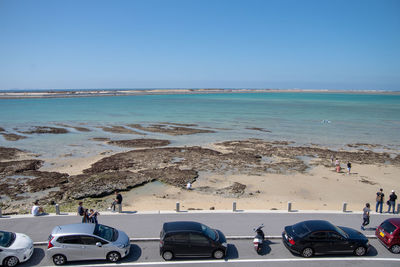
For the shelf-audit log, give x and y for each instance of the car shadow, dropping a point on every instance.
(266, 247)
(231, 252)
(134, 254)
(37, 257)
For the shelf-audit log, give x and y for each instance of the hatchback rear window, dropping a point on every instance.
(388, 227)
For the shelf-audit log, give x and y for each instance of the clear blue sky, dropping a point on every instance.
(350, 44)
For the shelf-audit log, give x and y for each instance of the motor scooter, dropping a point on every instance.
(259, 238)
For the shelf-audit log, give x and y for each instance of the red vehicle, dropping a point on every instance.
(389, 234)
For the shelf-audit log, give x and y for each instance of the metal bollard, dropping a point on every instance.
(1, 213)
(344, 209)
(120, 208)
(398, 209)
(177, 208)
(234, 206)
(289, 206)
(57, 209)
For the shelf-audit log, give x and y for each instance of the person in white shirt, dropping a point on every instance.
(189, 186)
(36, 209)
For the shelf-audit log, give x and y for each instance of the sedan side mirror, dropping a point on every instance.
(99, 244)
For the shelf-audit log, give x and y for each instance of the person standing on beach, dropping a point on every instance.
(117, 200)
(392, 201)
(337, 164)
(380, 196)
(366, 211)
(348, 167)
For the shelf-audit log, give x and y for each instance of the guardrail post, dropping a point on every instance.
(398, 209)
(120, 208)
(177, 208)
(57, 209)
(344, 209)
(1, 214)
(234, 206)
(289, 206)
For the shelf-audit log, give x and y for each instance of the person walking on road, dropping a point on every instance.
(392, 201)
(366, 211)
(82, 211)
(380, 197)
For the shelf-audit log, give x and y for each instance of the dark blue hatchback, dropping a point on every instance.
(191, 239)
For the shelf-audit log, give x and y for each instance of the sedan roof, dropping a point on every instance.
(182, 226)
(319, 225)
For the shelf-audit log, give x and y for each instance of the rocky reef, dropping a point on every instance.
(172, 165)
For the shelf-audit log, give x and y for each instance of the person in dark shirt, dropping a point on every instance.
(348, 167)
(392, 201)
(117, 200)
(380, 196)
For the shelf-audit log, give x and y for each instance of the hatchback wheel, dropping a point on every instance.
(307, 252)
(113, 256)
(360, 251)
(59, 259)
(218, 254)
(10, 261)
(395, 249)
(167, 255)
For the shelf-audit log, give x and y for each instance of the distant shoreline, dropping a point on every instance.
(16, 94)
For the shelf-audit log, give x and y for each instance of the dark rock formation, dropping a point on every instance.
(45, 130)
(12, 137)
(7, 153)
(13, 167)
(140, 143)
(168, 129)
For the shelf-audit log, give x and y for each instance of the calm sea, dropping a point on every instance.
(329, 119)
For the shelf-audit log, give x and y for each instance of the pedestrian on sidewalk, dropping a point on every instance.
(82, 212)
(380, 197)
(366, 211)
(392, 201)
(117, 201)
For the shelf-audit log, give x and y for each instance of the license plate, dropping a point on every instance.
(382, 234)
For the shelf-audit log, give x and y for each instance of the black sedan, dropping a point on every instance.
(321, 237)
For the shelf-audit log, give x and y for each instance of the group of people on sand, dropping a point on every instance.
(88, 215)
(338, 168)
(380, 198)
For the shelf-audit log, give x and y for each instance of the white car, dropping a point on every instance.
(14, 248)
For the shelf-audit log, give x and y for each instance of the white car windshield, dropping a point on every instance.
(105, 232)
(6, 238)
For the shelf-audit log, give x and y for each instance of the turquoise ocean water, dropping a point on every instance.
(329, 119)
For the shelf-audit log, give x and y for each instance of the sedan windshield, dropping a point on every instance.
(105, 232)
(209, 232)
(6, 238)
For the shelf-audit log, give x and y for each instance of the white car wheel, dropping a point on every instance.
(11, 261)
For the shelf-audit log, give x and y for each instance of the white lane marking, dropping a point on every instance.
(237, 261)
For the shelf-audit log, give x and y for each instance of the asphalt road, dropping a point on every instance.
(149, 225)
(240, 253)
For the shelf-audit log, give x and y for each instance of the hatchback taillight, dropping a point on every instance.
(161, 243)
(50, 245)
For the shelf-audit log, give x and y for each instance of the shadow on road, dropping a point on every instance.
(232, 252)
(134, 254)
(37, 257)
(266, 247)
